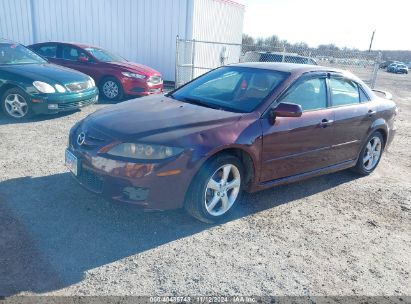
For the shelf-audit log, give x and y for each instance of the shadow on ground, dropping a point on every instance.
(5, 120)
(52, 231)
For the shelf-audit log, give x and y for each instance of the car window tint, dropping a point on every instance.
(343, 92)
(269, 57)
(72, 53)
(225, 83)
(239, 89)
(47, 51)
(310, 94)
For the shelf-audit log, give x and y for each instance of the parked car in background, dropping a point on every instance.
(114, 75)
(247, 126)
(391, 67)
(385, 64)
(253, 56)
(31, 85)
(399, 68)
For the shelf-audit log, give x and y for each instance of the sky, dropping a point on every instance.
(347, 23)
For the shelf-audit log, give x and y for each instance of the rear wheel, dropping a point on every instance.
(216, 189)
(16, 104)
(370, 154)
(111, 89)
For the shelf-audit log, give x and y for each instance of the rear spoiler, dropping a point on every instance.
(386, 94)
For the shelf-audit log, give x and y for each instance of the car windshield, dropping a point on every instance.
(103, 55)
(11, 54)
(236, 89)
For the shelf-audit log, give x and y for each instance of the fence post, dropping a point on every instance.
(177, 63)
(376, 68)
(193, 59)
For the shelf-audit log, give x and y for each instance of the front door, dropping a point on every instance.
(75, 58)
(294, 145)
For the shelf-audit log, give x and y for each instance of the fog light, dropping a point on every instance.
(53, 106)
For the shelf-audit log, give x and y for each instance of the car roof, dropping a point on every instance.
(78, 44)
(290, 67)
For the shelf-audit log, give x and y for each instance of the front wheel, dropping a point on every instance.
(16, 104)
(111, 89)
(370, 154)
(216, 189)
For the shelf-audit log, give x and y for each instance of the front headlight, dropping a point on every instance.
(91, 83)
(144, 151)
(43, 87)
(60, 88)
(133, 75)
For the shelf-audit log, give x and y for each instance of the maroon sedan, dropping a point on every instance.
(114, 75)
(246, 126)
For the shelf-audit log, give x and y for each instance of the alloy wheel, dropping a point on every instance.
(110, 89)
(372, 153)
(222, 190)
(16, 106)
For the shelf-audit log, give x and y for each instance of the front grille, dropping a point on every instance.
(91, 180)
(76, 104)
(78, 86)
(155, 80)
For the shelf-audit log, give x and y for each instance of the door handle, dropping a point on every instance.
(371, 112)
(326, 122)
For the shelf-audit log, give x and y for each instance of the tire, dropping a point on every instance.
(111, 89)
(16, 104)
(366, 166)
(201, 194)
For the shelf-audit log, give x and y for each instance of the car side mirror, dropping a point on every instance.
(285, 109)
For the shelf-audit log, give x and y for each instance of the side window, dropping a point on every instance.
(363, 96)
(49, 50)
(310, 94)
(72, 53)
(344, 92)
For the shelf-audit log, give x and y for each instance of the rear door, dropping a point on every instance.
(294, 145)
(354, 114)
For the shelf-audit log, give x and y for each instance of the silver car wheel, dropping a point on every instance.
(110, 89)
(222, 190)
(372, 153)
(16, 106)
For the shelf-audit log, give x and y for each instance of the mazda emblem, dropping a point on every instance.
(81, 138)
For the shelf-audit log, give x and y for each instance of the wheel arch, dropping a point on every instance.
(7, 86)
(247, 160)
(380, 125)
(104, 77)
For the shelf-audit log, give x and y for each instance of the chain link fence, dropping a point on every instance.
(194, 57)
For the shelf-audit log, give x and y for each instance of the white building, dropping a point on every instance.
(139, 30)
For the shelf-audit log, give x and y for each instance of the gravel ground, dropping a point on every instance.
(333, 235)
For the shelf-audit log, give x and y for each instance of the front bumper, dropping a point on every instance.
(137, 87)
(146, 185)
(54, 103)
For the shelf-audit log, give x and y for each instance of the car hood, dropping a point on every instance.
(152, 116)
(135, 67)
(47, 72)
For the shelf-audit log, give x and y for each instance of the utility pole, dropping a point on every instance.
(372, 38)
